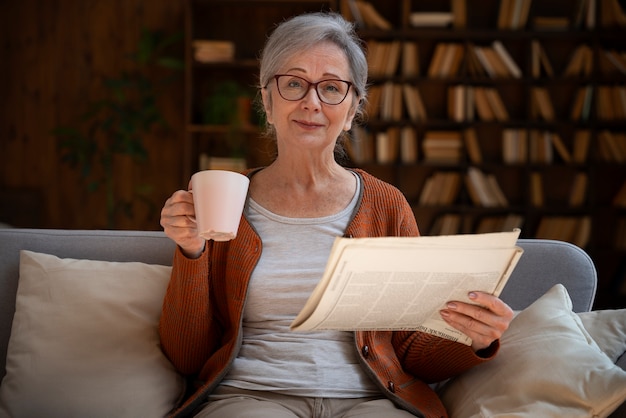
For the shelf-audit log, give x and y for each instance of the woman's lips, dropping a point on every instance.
(307, 124)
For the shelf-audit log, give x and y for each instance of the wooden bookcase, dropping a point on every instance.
(403, 146)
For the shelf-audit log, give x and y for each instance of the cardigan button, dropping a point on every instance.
(391, 386)
(365, 351)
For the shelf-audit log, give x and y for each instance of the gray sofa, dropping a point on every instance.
(543, 264)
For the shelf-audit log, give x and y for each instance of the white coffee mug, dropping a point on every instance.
(218, 197)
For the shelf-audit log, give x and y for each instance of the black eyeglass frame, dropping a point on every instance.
(314, 85)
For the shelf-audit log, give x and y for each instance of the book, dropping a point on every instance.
(484, 189)
(551, 23)
(483, 106)
(369, 16)
(578, 190)
(391, 101)
(514, 146)
(512, 67)
(582, 140)
(446, 60)
(513, 14)
(497, 104)
(540, 60)
(612, 15)
(360, 146)
(410, 59)
(540, 149)
(472, 146)
(207, 162)
(581, 106)
(414, 103)
(456, 102)
(443, 146)
(440, 188)
(459, 13)
(207, 50)
(401, 283)
(408, 145)
(580, 63)
(536, 189)
(387, 145)
(430, 19)
(542, 104)
(560, 147)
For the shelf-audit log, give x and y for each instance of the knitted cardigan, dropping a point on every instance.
(201, 321)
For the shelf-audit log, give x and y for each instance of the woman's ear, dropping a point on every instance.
(267, 105)
(351, 114)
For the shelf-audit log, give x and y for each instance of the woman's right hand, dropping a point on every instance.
(176, 220)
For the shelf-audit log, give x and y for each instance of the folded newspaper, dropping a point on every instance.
(401, 283)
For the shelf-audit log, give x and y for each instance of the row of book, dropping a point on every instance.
(454, 223)
(493, 60)
(512, 15)
(442, 188)
(612, 146)
(573, 229)
(577, 193)
(385, 147)
(466, 103)
(610, 103)
(519, 146)
(391, 101)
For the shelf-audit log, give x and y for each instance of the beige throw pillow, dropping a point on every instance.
(84, 341)
(608, 330)
(548, 366)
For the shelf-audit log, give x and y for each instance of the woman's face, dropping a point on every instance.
(309, 122)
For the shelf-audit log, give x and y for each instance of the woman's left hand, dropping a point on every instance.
(483, 322)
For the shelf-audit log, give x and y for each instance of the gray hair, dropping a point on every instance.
(304, 31)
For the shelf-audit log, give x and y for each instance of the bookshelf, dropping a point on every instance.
(517, 97)
(517, 110)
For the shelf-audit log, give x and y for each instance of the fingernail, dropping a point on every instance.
(445, 314)
(451, 305)
(472, 295)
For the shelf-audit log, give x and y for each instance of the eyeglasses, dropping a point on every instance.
(293, 88)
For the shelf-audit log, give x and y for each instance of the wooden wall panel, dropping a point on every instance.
(54, 55)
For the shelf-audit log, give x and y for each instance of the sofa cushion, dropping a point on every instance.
(84, 341)
(548, 366)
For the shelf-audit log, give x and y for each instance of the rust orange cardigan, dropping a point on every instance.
(200, 326)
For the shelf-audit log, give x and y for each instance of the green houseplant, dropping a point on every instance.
(116, 124)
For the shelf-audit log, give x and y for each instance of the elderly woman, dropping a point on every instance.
(228, 307)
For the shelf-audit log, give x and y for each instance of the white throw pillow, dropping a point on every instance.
(548, 366)
(84, 341)
(608, 330)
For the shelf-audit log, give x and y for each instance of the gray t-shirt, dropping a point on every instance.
(273, 358)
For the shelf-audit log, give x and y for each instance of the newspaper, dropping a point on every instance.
(401, 283)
